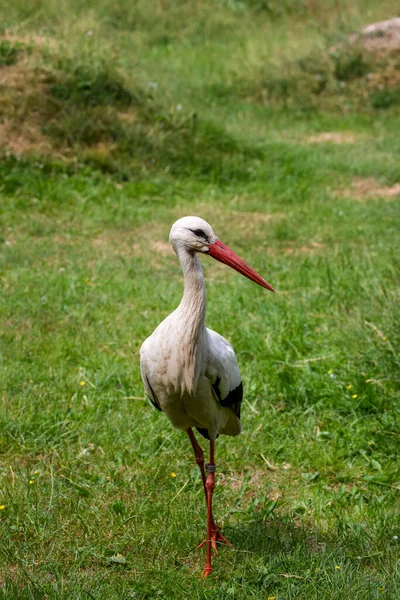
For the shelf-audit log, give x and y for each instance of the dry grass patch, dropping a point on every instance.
(148, 241)
(162, 248)
(24, 139)
(305, 250)
(293, 249)
(224, 221)
(281, 482)
(116, 243)
(333, 137)
(29, 39)
(366, 188)
(22, 96)
(11, 573)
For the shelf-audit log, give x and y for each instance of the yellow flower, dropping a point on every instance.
(271, 598)
(348, 387)
(354, 395)
(31, 381)
(384, 338)
(36, 472)
(330, 371)
(173, 474)
(370, 443)
(2, 506)
(31, 482)
(337, 567)
(82, 383)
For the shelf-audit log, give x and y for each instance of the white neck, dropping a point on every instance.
(191, 312)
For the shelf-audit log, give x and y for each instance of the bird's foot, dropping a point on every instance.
(206, 571)
(216, 538)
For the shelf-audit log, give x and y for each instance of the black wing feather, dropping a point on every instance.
(204, 432)
(153, 400)
(233, 401)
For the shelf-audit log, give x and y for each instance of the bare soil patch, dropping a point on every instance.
(333, 137)
(383, 35)
(20, 96)
(366, 188)
(36, 40)
(27, 138)
(306, 249)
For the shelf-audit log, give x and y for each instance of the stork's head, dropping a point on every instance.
(193, 233)
(196, 235)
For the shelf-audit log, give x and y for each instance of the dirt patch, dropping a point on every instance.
(18, 132)
(14, 76)
(129, 116)
(305, 249)
(117, 243)
(368, 188)
(100, 150)
(332, 137)
(163, 248)
(27, 138)
(150, 241)
(9, 573)
(281, 478)
(29, 39)
(380, 36)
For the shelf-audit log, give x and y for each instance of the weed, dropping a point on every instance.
(385, 98)
(11, 52)
(84, 86)
(350, 65)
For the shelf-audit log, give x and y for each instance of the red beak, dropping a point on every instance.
(225, 255)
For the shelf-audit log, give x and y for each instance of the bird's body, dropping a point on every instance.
(189, 371)
(216, 388)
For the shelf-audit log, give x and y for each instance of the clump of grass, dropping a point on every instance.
(119, 128)
(385, 98)
(350, 64)
(342, 77)
(11, 52)
(84, 85)
(84, 127)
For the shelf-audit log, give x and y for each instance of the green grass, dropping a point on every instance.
(150, 118)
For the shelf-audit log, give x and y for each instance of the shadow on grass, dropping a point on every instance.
(275, 537)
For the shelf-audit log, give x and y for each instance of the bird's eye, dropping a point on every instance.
(200, 233)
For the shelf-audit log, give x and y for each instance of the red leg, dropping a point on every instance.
(199, 456)
(214, 535)
(210, 484)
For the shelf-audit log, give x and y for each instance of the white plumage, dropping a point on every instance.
(189, 371)
(187, 402)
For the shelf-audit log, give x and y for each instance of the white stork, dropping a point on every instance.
(189, 371)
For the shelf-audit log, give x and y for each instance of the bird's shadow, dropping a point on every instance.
(276, 536)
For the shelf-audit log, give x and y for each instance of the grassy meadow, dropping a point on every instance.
(117, 118)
